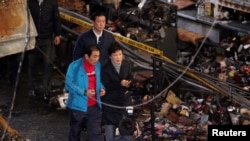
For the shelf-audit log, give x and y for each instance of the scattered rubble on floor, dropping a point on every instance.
(8, 132)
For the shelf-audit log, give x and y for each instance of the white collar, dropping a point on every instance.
(40, 2)
(97, 36)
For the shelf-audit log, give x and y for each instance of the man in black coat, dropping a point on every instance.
(45, 14)
(95, 36)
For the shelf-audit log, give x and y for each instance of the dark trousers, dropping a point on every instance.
(9, 68)
(13, 64)
(92, 120)
(43, 52)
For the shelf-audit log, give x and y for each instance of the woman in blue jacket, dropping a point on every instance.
(83, 82)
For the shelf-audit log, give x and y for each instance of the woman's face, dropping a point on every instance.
(117, 57)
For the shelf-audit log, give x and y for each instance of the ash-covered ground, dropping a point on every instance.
(33, 118)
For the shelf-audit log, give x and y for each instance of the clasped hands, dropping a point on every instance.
(91, 92)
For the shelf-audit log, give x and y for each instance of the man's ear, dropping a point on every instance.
(86, 56)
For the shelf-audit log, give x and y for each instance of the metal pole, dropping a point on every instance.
(155, 87)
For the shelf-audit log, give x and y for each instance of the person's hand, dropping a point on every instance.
(102, 92)
(57, 40)
(137, 132)
(125, 83)
(90, 92)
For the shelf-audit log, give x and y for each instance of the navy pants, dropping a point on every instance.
(109, 132)
(91, 119)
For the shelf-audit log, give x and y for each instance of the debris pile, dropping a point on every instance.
(188, 117)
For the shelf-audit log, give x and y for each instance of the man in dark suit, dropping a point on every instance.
(95, 36)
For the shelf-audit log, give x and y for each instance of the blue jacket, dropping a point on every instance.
(76, 84)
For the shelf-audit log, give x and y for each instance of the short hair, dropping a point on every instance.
(114, 47)
(97, 14)
(127, 127)
(89, 49)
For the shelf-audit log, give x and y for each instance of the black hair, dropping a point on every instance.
(89, 49)
(114, 47)
(96, 14)
(127, 127)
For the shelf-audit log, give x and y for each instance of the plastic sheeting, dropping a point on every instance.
(17, 30)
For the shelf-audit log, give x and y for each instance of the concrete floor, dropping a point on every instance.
(31, 116)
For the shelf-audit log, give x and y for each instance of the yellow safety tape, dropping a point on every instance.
(75, 20)
(123, 39)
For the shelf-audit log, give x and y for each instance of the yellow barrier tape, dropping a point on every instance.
(138, 44)
(75, 20)
(123, 39)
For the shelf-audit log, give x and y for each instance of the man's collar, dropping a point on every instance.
(97, 35)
